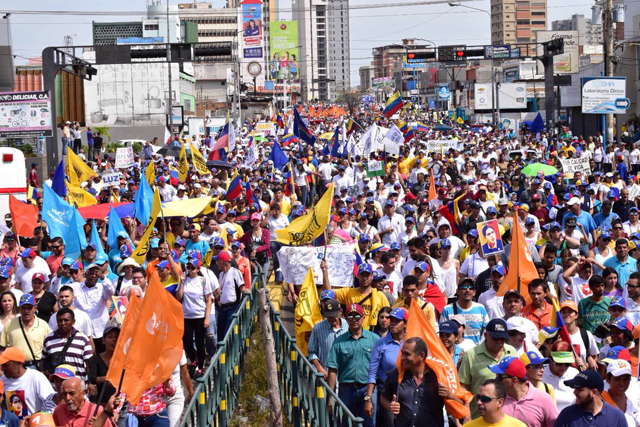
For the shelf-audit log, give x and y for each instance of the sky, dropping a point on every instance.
(369, 28)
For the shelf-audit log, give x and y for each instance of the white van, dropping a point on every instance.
(13, 177)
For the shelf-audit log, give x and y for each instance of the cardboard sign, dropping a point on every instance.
(111, 179)
(124, 158)
(441, 145)
(571, 166)
(375, 168)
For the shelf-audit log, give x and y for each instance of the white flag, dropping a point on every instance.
(250, 158)
(232, 138)
(368, 140)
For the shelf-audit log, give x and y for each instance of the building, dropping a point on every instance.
(366, 77)
(323, 34)
(518, 21)
(6, 65)
(588, 33)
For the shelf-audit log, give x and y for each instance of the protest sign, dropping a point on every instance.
(571, 166)
(110, 179)
(353, 191)
(441, 145)
(393, 140)
(124, 158)
(375, 168)
(266, 128)
(295, 261)
(490, 238)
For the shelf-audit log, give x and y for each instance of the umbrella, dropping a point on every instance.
(169, 150)
(442, 128)
(261, 139)
(534, 168)
(219, 164)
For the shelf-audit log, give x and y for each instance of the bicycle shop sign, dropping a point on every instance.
(25, 114)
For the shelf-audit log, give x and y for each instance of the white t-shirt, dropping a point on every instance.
(229, 281)
(27, 395)
(83, 322)
(492, 303)
(193, 298)
(473, 265)
(23, 275)
(274, 224)
(175, 376)
(576, 340)
(563, 393)
(394, 280)
(577, 290)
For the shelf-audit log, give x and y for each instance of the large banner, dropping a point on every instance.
(441, 145)
(511, 96)
(295, 261)
(252, 33)
(604, 95)
(580, 164)
(283, 43)
(25, 114)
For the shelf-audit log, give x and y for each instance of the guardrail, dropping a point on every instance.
(216, 393)
(303, 390)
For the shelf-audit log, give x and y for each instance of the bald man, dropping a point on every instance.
(75, 409)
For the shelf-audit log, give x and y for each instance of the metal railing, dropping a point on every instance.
(303, 390)
(216, 394)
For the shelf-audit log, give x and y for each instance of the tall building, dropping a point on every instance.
(588, 33)
(517, 21)
(7, 76)
(323, 34)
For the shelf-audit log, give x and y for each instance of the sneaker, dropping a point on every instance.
(198, 373)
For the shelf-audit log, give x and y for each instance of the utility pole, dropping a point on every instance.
(169, 74)
(493, 94)
(607, 21)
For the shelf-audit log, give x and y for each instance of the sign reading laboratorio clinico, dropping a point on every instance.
(604, 95)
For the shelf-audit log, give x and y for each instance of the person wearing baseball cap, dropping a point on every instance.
(369, 298)
(589, 407)
(618, 378)
(411, 291)
(583, 339)
(474, 367)
(449, 331)
(349, 362)
(31, 264)
(621, 330)
(325, 332)
(231, 285)
(523, 401)
(535, 363)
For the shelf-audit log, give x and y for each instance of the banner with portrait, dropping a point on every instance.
(490, 238)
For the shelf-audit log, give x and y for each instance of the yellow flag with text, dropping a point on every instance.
(77, 170)
(140, 253)
(79, 197)
(306, 228)
(307, 312)
(183, 164)
(198, 161)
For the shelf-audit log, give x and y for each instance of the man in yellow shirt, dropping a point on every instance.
(490, 399)
(29, 325)
(369, 298)
(409, 292)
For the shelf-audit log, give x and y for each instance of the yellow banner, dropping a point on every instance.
(308, 227)
(198, 161)
(140, 253)
(78, 197)
(307, 311)
(183, 164)
(77, 170)
(150, 173)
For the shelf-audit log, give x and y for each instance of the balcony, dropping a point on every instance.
(523, 14)
(524, 33)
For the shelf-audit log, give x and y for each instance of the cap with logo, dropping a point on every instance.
(399, 313)
(587, 378)
(497, 329)
(330, 308)
(63, 371)
(355, 308)
(533, 358)
(619, 367)
(509, 365)
(327, 294)
(448, 327)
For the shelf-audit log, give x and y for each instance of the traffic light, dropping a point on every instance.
(422, 56)
(452, 53)
(554, 47)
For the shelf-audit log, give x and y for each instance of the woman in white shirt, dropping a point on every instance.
(194, 292)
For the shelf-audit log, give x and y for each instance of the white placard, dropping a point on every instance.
(110, 179)
(393, 140)
(296, 260)
(124, 158)
(580, 164)
(438, 145)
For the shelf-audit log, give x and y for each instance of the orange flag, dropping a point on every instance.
(522, 269)
(150, 343)
(432, 187)
(438, 359)
(24, 216)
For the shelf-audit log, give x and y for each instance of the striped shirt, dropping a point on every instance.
(322, 337)
(77, 355)
(476, 319)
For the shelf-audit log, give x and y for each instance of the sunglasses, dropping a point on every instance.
(617, 228)
(355, 317)
(56, 247)
(190, 267)
(484, 399)
(467, 287)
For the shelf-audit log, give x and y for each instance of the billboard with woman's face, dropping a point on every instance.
(284, 57)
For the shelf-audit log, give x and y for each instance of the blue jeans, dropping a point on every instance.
(225, 317)
(275, 247)
(304, 193)
(353, 398)
(211, 341)
(65, 142)
(161, 419)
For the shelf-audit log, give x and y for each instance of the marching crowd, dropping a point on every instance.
(415, 229)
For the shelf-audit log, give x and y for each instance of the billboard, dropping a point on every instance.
(283, 48)
(604, 95)
(511, 96)
(25, 114)
(569, 61)
(252, 33)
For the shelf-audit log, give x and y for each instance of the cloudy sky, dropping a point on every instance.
(373, 27)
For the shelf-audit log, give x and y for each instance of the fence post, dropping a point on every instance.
(295, 384)
(202, 407)
(275, 416)
(321, 399)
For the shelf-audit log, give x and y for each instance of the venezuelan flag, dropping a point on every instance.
(394, 104)
(558, 322)
(290, 188)
(351, 126)
(287, 139)
(422, 127)
(234, 189)
(407, 131)
(448, 212)
(279, 120)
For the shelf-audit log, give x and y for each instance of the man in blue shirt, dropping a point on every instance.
(604, 218)
(324, 334)
(622, 263)
(584, 218)
(589, 409)
(194, 243)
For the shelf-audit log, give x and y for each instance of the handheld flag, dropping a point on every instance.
(351, 126)
(64, 221)
(223, 137)
(335, 142)
(521, 267)
(306, 228)
(140, 253)
(183, 164)
(198, 161)
(432, 195)
(150, 344)
(277, 156)
(78, 171)
(394, 104)
(115, 227)
(558, 322)
(234, 189)
(301, 130)
(143, 202)
(438, 359)
(375, 168)
(79, 197)
(24, 216)
(307, 311)
(57, 183)
(95, 239)
(150, 172)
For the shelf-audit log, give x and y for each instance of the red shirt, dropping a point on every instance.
(54, 262)
(65, 418)
(541, 321)
(33, 177)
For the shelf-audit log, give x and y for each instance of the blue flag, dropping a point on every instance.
(63, 221)
(75, 239)
(277, 156)
(143, 202)
(57, 183)
(335, 147)
(301, 130)
(537, 125)
(115, 227)
(95, 238)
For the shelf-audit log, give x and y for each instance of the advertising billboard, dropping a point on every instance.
(25, 114)
(569, 61)
(604, 95)
(284, 60)
(252, 33)
(511, 96)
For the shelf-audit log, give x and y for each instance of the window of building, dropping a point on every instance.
(538, 13)
(538, 23)
(521, 22)
(151, 27)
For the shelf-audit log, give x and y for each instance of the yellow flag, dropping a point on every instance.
(78, 197)
(140, 253)
(307, 311)
(308, 227)
(198, 161)
(150, 173)
(116, 198)
(77, 170)
(459, 120)
(183, 164)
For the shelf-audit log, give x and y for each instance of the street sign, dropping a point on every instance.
(497, 52)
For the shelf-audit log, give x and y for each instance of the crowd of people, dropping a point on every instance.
(582, 231)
